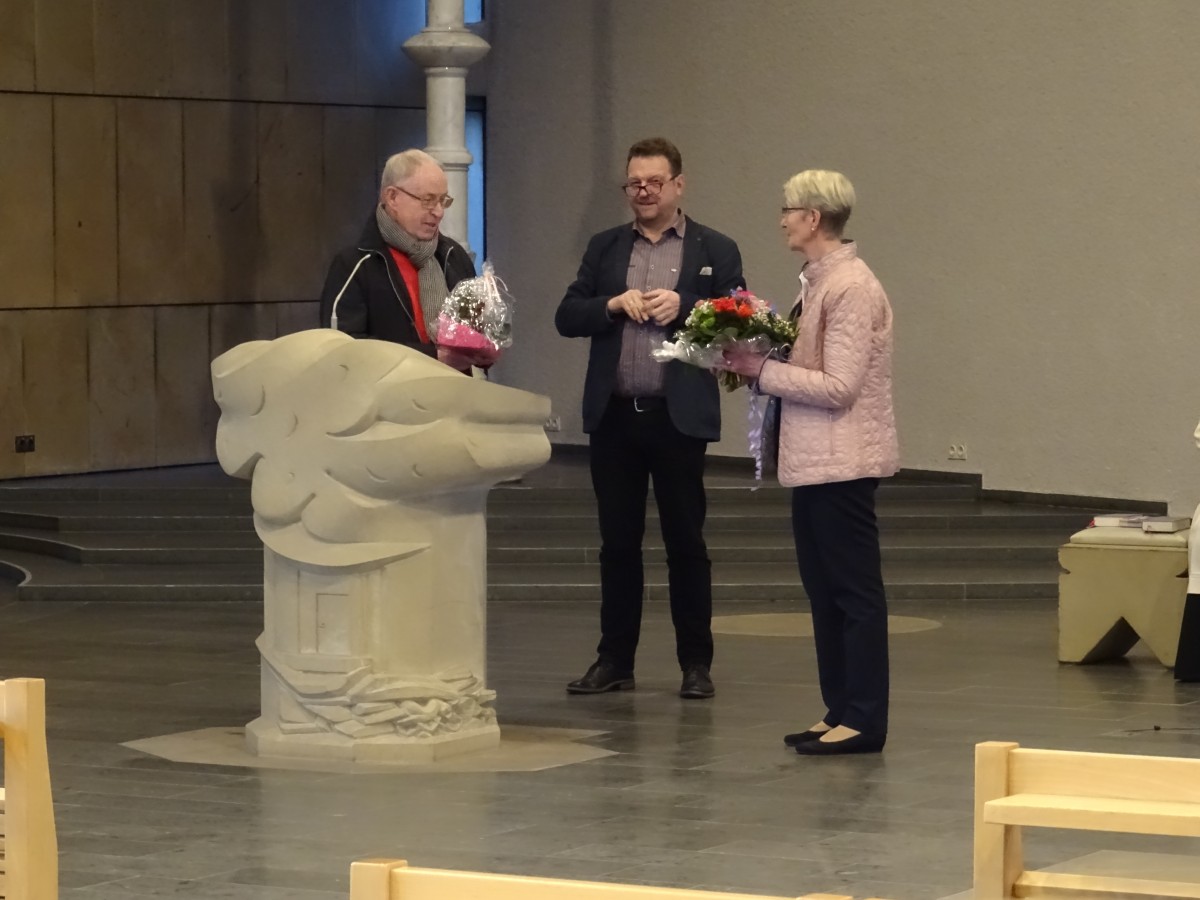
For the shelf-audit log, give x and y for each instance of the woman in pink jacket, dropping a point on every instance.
(837, 438)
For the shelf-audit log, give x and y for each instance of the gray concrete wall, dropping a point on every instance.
(1027, 182)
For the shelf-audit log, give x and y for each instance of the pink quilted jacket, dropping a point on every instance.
(837, 423)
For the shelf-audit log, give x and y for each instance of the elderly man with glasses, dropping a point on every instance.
(392, 283)
(636, 286)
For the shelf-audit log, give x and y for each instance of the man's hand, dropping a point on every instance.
(632, 303)
(661, 305)
(464, 359)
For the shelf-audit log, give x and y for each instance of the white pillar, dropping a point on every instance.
(445, 48)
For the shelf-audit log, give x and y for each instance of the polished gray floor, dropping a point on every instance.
(700, 793)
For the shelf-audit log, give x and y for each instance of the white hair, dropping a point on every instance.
(401, 166)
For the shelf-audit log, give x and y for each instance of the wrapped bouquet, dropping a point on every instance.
(477, 315)
(714, 326)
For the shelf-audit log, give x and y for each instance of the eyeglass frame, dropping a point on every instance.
(784, 210)
(639, 186)
(429, 203)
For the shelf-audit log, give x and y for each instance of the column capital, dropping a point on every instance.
(446, 48)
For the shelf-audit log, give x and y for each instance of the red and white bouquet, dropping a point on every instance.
(740, 320)
(477, 316)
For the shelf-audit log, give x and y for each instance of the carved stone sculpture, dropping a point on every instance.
(370, 465)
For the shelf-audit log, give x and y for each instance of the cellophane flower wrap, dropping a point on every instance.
(714, 326)
(477, 315)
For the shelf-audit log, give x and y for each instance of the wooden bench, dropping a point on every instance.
(394, 879)
(28, 844)
(1017, 787)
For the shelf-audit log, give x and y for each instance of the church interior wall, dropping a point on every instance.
(1025, 175)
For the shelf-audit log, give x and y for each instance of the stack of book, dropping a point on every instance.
(1157, 524)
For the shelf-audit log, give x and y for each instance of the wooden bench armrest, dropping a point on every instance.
(1095, 814)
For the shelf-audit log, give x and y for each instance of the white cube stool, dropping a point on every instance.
(1118, 585)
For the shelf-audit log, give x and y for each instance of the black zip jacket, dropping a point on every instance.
(375, 302)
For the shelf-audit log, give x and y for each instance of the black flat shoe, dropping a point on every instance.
(601, 678)
(697, 683)
(859, 743)
(802, 737)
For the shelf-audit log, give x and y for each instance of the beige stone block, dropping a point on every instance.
(85, 201)
(200, 36)
(66, 49)
(350, 188)
(133, 47)
(289, 177)
(258, 49)
(293, 317)
(12, 393)
(321, 51)
(150, 200)
(121, 387)
(186, 413)
(17, 25)
(220, 201)
(26, 202)
(237, 323)
(56, 390)
(396, 130)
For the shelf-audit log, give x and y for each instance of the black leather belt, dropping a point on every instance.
(642, 404)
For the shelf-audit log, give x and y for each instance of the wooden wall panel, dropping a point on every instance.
(85, 201)
(26, 201)
(200, 37)
(321, 51)
(12, 394)
(56, 390)
(16, 45)
(235, 324)
(396, 130)
(133, 47)
(258, 50)
(66, 50)
(220, 201)
(121, 376)
(350, 184)
(293, 317)
(186, 413)
(150, 201)
(289, 176)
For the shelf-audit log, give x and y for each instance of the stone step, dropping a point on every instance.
(42, 578)
(736, 581)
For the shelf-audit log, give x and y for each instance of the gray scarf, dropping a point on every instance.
(431, 279)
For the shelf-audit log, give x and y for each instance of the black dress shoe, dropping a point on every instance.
(859, 743)
(802, 737)
(602, 677)
(697, 683)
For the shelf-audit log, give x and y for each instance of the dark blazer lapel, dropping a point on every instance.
(622, 251)
(690, 264)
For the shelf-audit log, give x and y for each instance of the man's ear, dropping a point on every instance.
(679, 182)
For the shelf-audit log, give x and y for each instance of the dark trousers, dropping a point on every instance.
(628, 450)
(837, 548)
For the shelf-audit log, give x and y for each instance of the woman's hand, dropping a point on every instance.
(742, 361)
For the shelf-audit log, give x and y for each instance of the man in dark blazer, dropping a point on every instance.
(648, 420)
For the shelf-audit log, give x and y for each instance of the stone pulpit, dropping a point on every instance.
(370, 465)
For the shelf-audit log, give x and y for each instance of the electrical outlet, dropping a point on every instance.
(554, 423)
(25, 443)
(957, 451)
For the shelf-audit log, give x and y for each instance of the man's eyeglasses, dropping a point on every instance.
(653, 187)
(429, 202)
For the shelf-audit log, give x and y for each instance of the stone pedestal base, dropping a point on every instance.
(263, 738)
(1118, 585)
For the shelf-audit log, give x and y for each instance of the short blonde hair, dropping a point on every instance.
(830, 193)
(401, 166)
